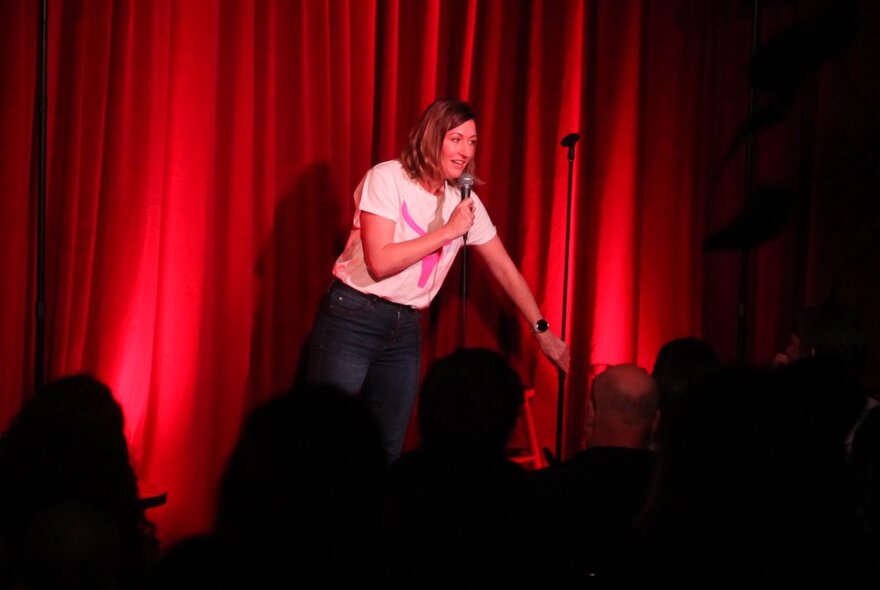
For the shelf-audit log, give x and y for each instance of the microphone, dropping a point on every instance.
(465, 183)
(569, 141)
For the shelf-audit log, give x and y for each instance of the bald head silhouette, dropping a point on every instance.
(625, 401)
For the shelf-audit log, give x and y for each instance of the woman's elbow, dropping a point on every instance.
(377, 270)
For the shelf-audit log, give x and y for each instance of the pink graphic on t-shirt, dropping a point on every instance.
(429, 261)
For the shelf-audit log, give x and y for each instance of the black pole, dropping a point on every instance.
(466, 183)
(463, 326)
(743, 296)
(42, 106)
(567, 141)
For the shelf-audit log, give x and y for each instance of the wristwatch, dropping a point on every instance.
(540, 326)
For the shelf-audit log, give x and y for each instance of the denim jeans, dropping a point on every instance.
(366, 345)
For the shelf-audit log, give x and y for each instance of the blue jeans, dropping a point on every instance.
(364, 344)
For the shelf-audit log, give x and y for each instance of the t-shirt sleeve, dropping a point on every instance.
(379, 194)
(482, 230)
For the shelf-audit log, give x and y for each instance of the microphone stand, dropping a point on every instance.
(464, 257)
(41, 142)
(466, 182)
(742, 324)
(567, 141)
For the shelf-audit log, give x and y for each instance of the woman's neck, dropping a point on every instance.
(434, 187)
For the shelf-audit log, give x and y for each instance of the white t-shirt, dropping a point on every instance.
(388, 191)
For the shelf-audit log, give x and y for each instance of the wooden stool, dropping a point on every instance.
(532, 455)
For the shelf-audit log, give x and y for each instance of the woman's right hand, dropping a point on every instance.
(555, 349)
(462, 218)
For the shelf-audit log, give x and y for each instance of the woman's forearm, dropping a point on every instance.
(385, 258)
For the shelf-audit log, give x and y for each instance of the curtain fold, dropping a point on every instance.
(202, 158)
(18, 87)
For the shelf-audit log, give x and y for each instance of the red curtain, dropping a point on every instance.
(202, 157)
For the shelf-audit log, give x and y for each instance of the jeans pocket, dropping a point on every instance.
(339, 302)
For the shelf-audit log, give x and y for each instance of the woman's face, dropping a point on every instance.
(459, 145)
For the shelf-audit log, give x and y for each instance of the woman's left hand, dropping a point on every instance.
(554, 349)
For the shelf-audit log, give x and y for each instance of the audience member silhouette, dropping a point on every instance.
(65, 469)
(298, 502)
(625, 399)
(72, 545)
(459, 512)
(753, 487)
(596, 495)
(680, 365)
(832, 331)
(837, 334)
(866, 460)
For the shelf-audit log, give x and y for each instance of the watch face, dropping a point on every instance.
(541, 326)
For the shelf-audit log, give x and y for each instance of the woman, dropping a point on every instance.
(409, 223)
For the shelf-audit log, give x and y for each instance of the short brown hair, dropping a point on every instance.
(421, 156)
